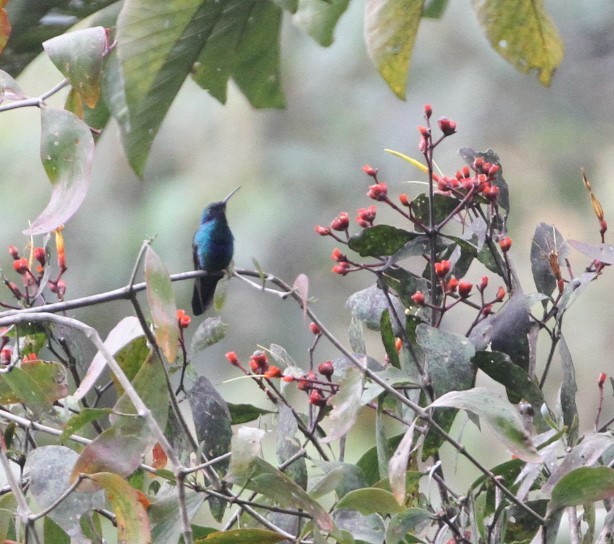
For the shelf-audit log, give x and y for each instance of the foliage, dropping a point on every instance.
(135, 443)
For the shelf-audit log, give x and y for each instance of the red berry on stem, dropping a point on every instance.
(40, 255)
(369, 170)
(464, 288)
(379, 191)
(316, 398)
(326, 369)
(315, 329)
(21, 266)
(428, 111)
(341, 222)
(13, 252)
(500, 294)
(405, 200)
(232, 358)
(600, 380)
(447, 126)
(418, 298)
(322, 231)
(442, 268)
(505, 243)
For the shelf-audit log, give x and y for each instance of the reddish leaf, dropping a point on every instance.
(162, 304)
(67, 151)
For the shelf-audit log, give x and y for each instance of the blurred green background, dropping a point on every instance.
(301, 166)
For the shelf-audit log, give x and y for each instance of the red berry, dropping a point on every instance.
(487, 310)
(5, 356)
(326, 369)
(405, 200)
(398, 344)
(341, 222)
(13, 252)
(452, 285)
(505, 243)
(185, 321)
(342, 268)
(60, 288)
(483, 283)
(21, 265)
(322, 231)
(418, 298)
(424, 132)
(379, 191)
(500, 294)
(464, 288)
(288, 379)
(273, 372)
(600, 380)
(336, 255)
(40, 255)
(491, 192)
(232, 358)
(315, 329)
(447, 126)
(442, 268)
(369, 170)
(428, 111)
(316, 398)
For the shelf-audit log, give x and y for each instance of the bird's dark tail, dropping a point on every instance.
(204, 291)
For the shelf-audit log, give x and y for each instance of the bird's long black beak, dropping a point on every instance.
(230, 194)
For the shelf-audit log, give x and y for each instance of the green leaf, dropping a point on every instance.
(165, 523)
(288, 446)
(568, 391)
(9, 88)
(391, 27)
(243, 536)
(583, 485)
(517, 382)
(404, 284)
(67, 152)
(86, 416)
(523, 34)
(379, 241)
(548, 243)
(601, 252)
(209, 332)
(368, 463)
(448, 363)
(443, 206)
(244, 45)
(389, 340)
(401, 525)
(256, 474)
(161, 299)
(345, 403)
(38, 384)
(243, 413)
(78, 55)
(370, 500)
(8, 507)
(319, 18)
(339, 477)
(130, 515)
(211, 419)
(499, 414)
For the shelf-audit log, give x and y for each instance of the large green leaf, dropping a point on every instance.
(67, 152)
(370, 500)
(346, 404)
(160, 42)
(583, 485)
(390, 32)
(319, 17)
(548, 243)
(523, 34)
(380, 241)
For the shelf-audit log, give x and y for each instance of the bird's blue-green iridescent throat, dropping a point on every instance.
(212, 249)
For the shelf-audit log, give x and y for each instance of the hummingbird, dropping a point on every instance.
(212, 249)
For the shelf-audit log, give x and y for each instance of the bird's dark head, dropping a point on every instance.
(216, 210)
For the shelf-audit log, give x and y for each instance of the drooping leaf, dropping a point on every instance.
(121, 335)
(301, 287)
(67, 152)
(339, 477)
(49, 468)
(319, 18)
(499, 414)
(130, 516)
(345, 403)
(371, 500)
(548, 249)
(572, 290)
(583, 485)
(211, 419)
(390, 32)
(523, 34)
(568, 390)
(397, 467)
(380, 241)
(367, 528)
(162, 306)
(78, 55)
(244, 45)
(449, 367)
(287, 446)
(209, 332)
